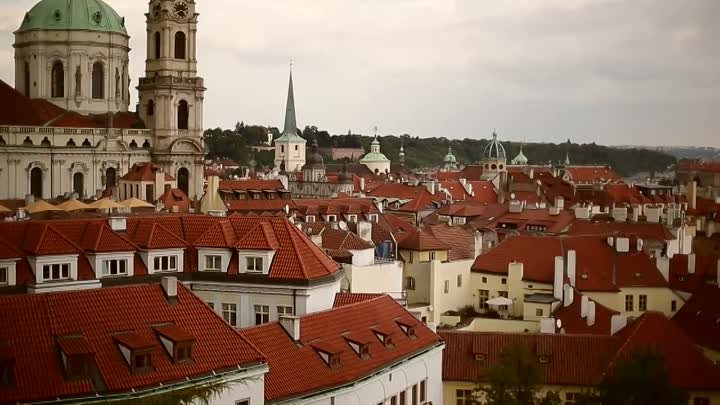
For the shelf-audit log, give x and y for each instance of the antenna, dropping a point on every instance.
(375, 129)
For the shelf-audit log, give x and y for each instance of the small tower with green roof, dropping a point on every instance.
(290, 147)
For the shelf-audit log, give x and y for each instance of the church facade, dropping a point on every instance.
(68, 127)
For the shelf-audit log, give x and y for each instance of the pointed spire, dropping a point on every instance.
(567, 158)
(290, 128)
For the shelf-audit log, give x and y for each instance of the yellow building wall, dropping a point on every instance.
(457, 296)
(658, 299)
(494, 284)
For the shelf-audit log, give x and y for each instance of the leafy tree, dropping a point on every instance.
(641, 379)
(515, 380)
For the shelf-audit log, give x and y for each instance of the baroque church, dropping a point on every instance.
(66, 126)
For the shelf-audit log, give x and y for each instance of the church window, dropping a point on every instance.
(28, 141)
(98, 80)
(183, 115)
(133, 144)
(180, 45)
(157, 45)
(151, 108)
(146, 144)
(58, 80)
(36, 177)
(45, 142)
(110, 177)
(86, 143)
(183, 180)
(79, 184)
(26, 74)
(70, 143)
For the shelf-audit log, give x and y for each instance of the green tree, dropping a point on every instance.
(515, 380)
(641, 379)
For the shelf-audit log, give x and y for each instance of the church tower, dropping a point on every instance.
(290, 147)
(171, 93)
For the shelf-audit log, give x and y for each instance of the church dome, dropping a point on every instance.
(80, 15)
(494, 150)
(520, 159)
(450, 158)
(315, 159)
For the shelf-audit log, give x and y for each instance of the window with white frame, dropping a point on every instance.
(213, 263)
(373, 218)
(464, 397)
(310, 219)
(166, 263)
(262, 314)
(54, 272)
(331, 218)
(352, 218)
(115, 267)
(254, 264)
(4, 276)
(447, 286)
(229, 313)
(284, 310)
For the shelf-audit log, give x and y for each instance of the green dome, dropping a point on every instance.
(86, 15)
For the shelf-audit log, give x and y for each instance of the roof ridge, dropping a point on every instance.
(295, 247)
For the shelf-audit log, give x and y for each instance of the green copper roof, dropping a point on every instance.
(450, 158)
(290, 130)
(91, 15)
(520, 159)
(374, 157)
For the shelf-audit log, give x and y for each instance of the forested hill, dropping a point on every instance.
(429, 152)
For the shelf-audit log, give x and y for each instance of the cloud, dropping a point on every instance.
(608, 71)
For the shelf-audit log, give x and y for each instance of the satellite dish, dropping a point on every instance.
(558, 323)
(512, 196)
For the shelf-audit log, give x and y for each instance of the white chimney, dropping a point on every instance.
(617, 323)
(560, 202)
(571, 266)
(29, 199)
(653, 214)
(620, 214)
(554, 211)
(515, 271)
(591, 313)
(640, 245)
(623, 245)
(691, 263)
(118, 224)
(547, 325)
(582, 212)
(291, 324)
(584, 300)
(558, 280)
(169, 285)
(362, 184)
(569, 295)
(663, 264)
(611, 241)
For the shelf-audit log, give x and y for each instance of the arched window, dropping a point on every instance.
(79, 184)
(110, 176)
(182, 115)
(57, 80)
(98, 81)
(183, 180)
(180, 45)
(36, 179)
(26, 74)
(151, 108)
(157, 45)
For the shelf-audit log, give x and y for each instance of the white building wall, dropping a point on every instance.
(250, 387)
(376, 278)
(380, 388)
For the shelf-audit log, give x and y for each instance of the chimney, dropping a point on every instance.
(558, 280)
(640, 245)
(362, 184)
(653, 214)
(571, 266)
(169, 285)
(478, 242)
(692, 195)
(635, 214)
(691, 263)
(531, 173)
(663, 265)
(591, 313)
(582, 212)
(623, 245)
(159, 188)
(569, 295)
(554, 211)
(620, 214)
(515, 271)
(175, 209)
(29, 199)
(291, 324)
(617, 323)
(118, 224)
(560, 202)
(584, 300)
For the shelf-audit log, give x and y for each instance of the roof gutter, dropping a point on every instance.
(355, 383)
(214, 378)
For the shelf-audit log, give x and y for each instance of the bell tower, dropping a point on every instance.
(171, 93)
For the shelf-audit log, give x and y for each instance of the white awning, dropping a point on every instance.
(499, 301)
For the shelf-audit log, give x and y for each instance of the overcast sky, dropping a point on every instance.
(609, 71)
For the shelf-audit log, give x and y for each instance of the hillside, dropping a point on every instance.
(429, 152)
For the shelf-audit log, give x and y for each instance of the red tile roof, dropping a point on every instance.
(149, 235)
(644, 230)
(220, 235)
(460, 240)
(33, 323)
(8, 251)
(297, 370)
(483, 191)
(422, 240)
(99, 238)
(245, 185)
(591, 174)
(584, 359)
(698, 165)
(144, 172)
(573, 323)
(262, 237)
(471, 172)
(700, 317)
(338, 239)
(397, 190)
(42, 239)
(343, 299)
(175, 197)
(706, 269)
(536, 217)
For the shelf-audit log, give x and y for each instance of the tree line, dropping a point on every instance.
(237, 144)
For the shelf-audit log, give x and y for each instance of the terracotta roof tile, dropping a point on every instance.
(99, 238)
(261, 238)
(343, 299)
(573, 323)
(41, 239)
(32, 323)
(152, 235)
(245, 185)
(297, 370)
(422, 240)
(646, 231)
(343, 240)
(220, 235)
(700, 317)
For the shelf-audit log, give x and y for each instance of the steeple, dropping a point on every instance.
(401, 155)
(567, 158)
(290, 128)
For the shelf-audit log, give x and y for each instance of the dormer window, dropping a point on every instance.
(479, 357)
(362, 349)
(331, 218)
(352, 218)
(137, 351)
(4, 276)
(373, 218)
(166, 263)
(77, 356)
(310, 219)
(254, 264)
(330, 356)
(177, 342)
(115, 267)
(213, 263)
(384, 338)
(56, 272)
(407, 328)
(544, 358)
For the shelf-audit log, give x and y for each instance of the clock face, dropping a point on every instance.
(181, 10)
(156, 9)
